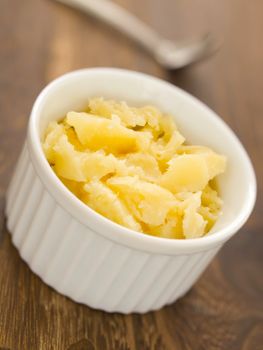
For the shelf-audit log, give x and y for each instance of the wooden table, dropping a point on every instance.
(41, 40)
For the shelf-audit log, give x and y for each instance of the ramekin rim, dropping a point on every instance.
(119, 233)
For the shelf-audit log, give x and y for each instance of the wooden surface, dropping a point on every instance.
(41, 40)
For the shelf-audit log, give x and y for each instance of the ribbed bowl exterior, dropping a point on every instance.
(84, 265)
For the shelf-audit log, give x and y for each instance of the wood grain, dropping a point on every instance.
(41, 40)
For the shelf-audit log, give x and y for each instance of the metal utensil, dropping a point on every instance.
(171, 55)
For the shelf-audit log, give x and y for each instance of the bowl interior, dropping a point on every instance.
(196, 122)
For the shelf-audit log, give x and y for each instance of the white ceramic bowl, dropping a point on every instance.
(84, 255)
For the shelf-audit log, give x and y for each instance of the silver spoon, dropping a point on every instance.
(168, 54)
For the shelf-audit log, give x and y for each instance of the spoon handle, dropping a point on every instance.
(120, 19)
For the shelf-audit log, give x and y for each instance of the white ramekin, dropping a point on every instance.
(89, 258)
